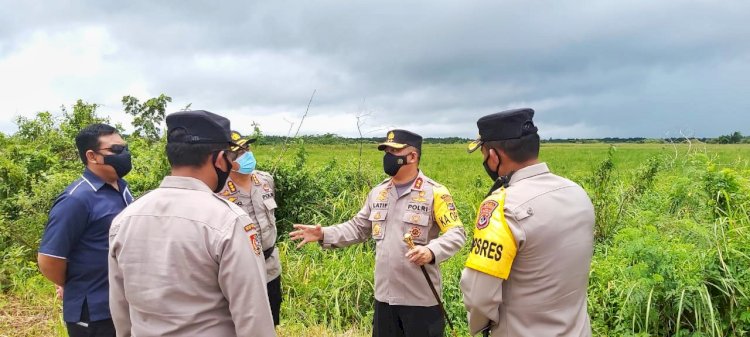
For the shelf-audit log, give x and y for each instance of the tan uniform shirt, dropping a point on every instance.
(425, 211)
(551, 222)
(259, 203)
(184, 262)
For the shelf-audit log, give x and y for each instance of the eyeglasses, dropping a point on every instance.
(116, 148)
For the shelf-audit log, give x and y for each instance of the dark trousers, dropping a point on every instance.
(274, 298)
(407, 321)
(84, 328)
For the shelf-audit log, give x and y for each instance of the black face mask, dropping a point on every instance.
(392, 163)
(493, 174)
(121, 162)
(221, 176)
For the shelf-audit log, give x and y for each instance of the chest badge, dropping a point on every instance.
(415, 232)
(420, 197)
(383, 195)
(376, 230)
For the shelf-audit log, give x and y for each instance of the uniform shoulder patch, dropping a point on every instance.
(432, 182)
(264, 175)
(485, 213)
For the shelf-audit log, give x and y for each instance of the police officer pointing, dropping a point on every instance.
(183, 261)
(527, 271)
(408, 202)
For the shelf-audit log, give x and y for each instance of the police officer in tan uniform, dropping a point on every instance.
(528, 268)
(183, 261)
(253, 191)
(408, 202)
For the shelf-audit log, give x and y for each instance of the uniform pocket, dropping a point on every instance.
(270, 205)
(417, 225)
(377, 218)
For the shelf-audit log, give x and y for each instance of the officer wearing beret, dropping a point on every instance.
(408, 202)
(183, 261)
(527, 271)
(253, 191)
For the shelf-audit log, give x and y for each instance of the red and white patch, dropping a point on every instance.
(418, 183)
(256, 244)
(485, 213)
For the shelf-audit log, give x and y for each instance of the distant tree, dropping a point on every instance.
(734, 138)
(147, 116)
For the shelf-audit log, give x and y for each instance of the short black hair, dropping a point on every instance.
(186, 154)
(519, 149)
(88, 138)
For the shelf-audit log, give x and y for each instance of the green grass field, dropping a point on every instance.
(671, 259)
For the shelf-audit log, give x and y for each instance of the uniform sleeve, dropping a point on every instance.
(67, 221)
(242, 278)
(493, 250)
(118, 303)
(356, 230)
(482, 296)
(446, 216)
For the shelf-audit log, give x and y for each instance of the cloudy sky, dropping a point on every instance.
(589, 68)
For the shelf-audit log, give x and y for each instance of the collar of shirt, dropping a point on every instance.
(186, 183)
(97, 183)
(528, 172)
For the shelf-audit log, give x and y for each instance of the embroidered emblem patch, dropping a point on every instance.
(419, 198)
(383, 195)
(376, 229)
(266, 187)
(485, 213)
(256, 244)
(448, 201)
(377, 216)
(415, 232)
(414, 218)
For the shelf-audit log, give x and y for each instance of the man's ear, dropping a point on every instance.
(91, 156)
(220, 160)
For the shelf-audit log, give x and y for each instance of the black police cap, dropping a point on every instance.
(400, 139)
(241, 141)
(509, 124)
(200, 127)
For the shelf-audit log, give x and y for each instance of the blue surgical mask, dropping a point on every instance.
(247, 163)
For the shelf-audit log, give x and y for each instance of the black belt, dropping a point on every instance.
(267, 253)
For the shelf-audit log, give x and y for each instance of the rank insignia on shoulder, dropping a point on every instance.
(255, 180)
(376, 229)
(232, 187)
(415, 232)
(418, 183)
(256, 244)
(249, 227)
(485, 213)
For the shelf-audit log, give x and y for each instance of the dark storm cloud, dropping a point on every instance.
(606, 68)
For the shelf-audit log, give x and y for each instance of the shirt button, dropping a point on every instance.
(530, 211)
